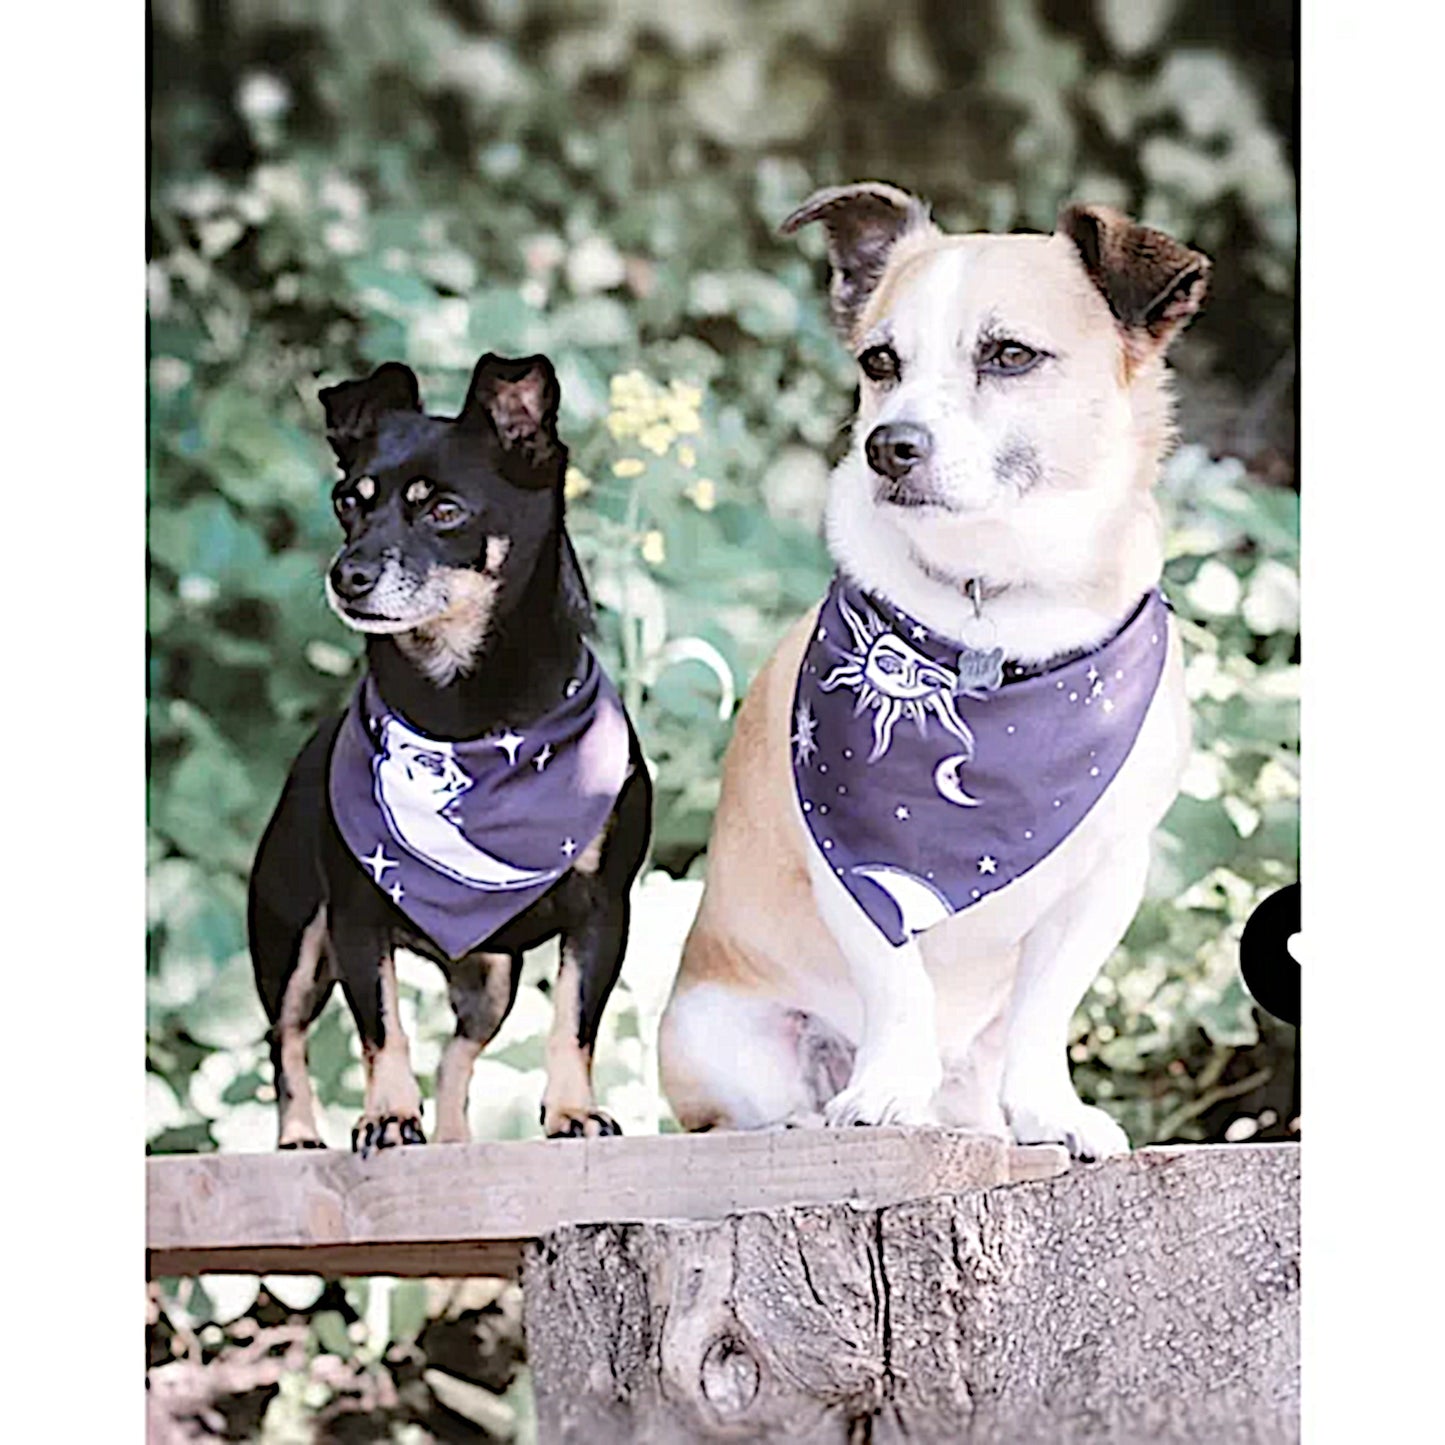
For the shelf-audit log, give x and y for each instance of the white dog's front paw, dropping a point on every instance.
(865, 1103)
(879, 1095)
(1088, 1133)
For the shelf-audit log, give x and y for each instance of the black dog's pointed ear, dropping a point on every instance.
(863, 223)
(518, 397)
(353, 407)
(1153, 283)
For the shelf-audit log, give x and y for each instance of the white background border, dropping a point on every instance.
(1373, 473)
(72, 476)
(1373, 546)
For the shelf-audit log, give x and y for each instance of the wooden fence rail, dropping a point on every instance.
(468, 1209)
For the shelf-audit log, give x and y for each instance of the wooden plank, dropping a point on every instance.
(465, 1209)
(432, 1259)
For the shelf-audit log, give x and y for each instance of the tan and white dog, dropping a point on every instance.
(1014, 410)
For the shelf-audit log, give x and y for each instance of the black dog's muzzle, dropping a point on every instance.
(353, 575)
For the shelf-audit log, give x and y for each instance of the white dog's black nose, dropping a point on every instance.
(896, 448)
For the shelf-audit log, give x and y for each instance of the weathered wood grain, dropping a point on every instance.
(1151, 1298)
(465, 1209)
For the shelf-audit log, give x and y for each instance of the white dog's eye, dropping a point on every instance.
(879, 363)
(1007, 358)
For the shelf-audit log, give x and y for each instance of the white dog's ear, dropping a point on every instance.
(1153, 283)
(863, 223)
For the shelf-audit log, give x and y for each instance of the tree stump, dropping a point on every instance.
(1151, 1298)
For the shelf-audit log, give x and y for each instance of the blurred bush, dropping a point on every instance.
(335, 184)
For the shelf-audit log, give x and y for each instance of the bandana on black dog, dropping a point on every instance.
(463, 836)
(927, 779)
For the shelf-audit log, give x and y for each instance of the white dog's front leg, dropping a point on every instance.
(1061, 957)
(897, 1069)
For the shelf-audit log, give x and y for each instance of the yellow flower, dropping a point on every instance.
(576, 484)
(703, 494)
(653, 416)
(627, 386)
(685, 420)
(653, 548)
(656, 438)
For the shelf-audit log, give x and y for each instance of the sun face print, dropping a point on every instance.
(895, 680)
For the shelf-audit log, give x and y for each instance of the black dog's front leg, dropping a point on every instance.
(591, 960)
(392, 1112)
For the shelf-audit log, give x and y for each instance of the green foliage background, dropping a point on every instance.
(335, 184)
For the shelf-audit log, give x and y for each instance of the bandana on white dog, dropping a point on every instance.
(931, 776)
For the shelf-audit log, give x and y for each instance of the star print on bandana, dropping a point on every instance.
(471, 834)
(930, 782)
(378, 863)
(804, 735)
(509, 742)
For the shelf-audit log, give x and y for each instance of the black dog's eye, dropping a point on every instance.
(1007, 358)
(446, 514)
(345, 504)
(879, 363)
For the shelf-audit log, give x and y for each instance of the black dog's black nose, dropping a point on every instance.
(354, 577)
(893, 450)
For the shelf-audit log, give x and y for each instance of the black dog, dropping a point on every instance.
(458, 566)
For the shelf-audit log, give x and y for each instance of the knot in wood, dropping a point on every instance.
(729, 1375)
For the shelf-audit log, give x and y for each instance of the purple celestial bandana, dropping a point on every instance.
(929, 777)
(463, 836)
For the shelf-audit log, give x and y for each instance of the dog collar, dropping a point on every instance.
(930, 776)
(1022, 671)
(464, 836)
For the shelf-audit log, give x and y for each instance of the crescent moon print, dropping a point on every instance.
(895, 680)
(418, 781)
(949, 784)
(920, 905)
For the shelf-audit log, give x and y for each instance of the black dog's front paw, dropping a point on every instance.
(594, 1124)
(385, 1133)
